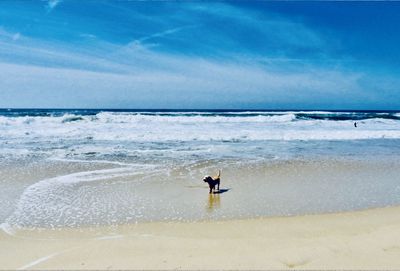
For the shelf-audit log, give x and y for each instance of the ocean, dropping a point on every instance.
(72, 168)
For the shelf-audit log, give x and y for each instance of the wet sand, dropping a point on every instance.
(353, 240)
(75, 194)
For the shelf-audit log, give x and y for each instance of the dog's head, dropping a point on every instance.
(206, 179)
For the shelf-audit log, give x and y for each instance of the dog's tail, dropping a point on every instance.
(219, 173)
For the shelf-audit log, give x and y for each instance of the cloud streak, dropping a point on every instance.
(138, 76)
(162, 34)
(7, 36)
(52, 4)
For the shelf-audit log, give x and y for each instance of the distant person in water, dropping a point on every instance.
(355, 124)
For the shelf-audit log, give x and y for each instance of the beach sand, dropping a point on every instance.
(367, 239)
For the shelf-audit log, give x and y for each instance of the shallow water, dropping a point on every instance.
(101, 168)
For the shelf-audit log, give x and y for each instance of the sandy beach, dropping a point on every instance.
(353, 240)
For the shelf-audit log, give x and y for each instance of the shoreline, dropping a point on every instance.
(367, 239)
(93, 194)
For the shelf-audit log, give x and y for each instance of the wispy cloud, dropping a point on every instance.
(272, 28)
(7, 35)
(52, 4)
(160, 34)
(220, 86)
(87, 36)
(138, 75)
(16, 36)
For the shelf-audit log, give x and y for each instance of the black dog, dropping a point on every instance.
(212, 182)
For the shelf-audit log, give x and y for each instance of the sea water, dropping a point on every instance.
(72, 168)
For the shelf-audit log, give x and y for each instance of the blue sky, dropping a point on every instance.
(244, 55)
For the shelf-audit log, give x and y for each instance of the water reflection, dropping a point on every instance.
(214, 202)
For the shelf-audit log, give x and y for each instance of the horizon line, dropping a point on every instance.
(199, 109)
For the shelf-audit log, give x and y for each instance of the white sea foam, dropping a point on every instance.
(90, 161)
(75, 136)
(112, 126)
(7, 228)
(60, 201)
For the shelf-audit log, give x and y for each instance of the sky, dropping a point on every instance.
(199, 55)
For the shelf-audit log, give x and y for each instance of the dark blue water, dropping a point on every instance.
(300, 114)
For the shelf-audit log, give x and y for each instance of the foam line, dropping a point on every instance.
(40, 260)
(37, 194)
(107, 237)
(91, 161)
(45, 258)
(7, 228)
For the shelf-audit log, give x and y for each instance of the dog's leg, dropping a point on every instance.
(218, 185)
